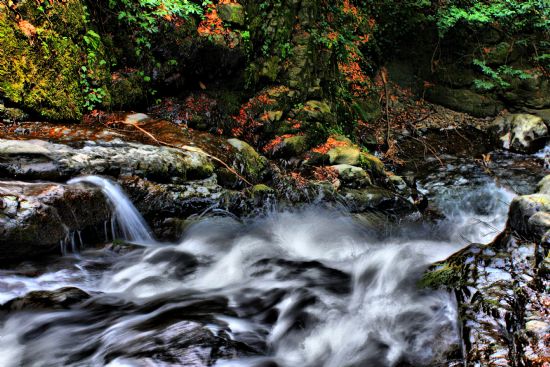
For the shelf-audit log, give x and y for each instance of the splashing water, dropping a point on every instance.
(312, 288)
(129, 221)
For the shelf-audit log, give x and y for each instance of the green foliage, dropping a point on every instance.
(443, 275)
(513, 16)
(90, 72)
(145, 16)
(42, 69)
(144, 20)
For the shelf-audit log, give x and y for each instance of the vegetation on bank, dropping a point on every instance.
(61, 59)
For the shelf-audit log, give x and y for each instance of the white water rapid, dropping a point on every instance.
(310, 288)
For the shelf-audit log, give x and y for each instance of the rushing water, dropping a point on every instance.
(126, 218)
(305, 288)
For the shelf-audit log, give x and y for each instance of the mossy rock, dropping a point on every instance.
(316, 111)
(289, 147)
(232, 13)
(12, 114)
(261, 191)
(444, 275)
(346, 154)
(40, 59)
(248, 162)
(352, 176)
(464, 100)
(533, 92)
(127, 90)
(372, 164)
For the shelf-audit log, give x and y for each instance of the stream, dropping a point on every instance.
(310, 287)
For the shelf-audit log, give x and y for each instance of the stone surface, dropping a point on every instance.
(39, 159)
(377, 199)
(248, 162)
(58, 299)
(522, 133)
(347, 154)
(532, 92)
(464, 100)
(352, 176)
(529, 215)
(543, 186)
(36, 217)
(232, 13)
(502, 289)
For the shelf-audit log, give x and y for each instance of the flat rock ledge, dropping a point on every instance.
(35, 218)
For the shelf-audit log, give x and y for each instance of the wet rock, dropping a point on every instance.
(502, 289)
(60, 299)
(522, 133)
(345, 155)
(248, 162)
(36, 217)
(38, 159)
(376, 199)
(261, 191)
(352, 176)
(522, 212)
(173, 199)
(161, 204)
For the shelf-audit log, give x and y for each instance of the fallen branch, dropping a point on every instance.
(427, 146)
(186, 148)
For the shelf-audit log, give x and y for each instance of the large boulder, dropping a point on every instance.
(38, 159)
(522, 133)
(59, 299)
(529, 215)
(35, 218)
(377, 199)
(533, 92)
(352, 176)
(232, 13)
(464, 100)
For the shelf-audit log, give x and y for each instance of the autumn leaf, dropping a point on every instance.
(27, 28)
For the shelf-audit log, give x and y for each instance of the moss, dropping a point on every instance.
(261, 190)
(443, 275)
(248, 161)
(40, 62)
(232, 13)
(127, 90)
(372, 164)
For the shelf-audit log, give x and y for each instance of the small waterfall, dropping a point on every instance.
(128, 220)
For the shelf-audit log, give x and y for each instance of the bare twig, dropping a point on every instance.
(427, 146)
(186, 148)
(383, 74)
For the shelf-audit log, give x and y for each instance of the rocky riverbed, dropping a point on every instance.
(213, 191)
